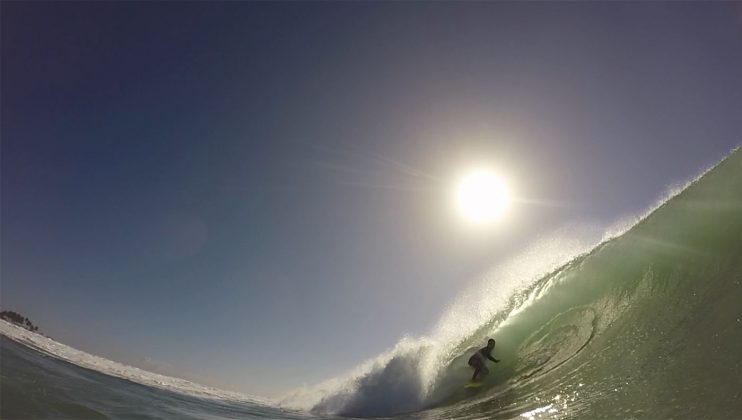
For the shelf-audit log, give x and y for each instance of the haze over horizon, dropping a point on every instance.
(258, 195)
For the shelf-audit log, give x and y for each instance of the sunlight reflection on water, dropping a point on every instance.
(538, 411)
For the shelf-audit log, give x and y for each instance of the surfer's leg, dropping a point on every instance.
(477, 365)
(481, 369)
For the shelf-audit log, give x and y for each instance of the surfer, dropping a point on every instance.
(477, 360)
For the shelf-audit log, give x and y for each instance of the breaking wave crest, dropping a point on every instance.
(566, 309)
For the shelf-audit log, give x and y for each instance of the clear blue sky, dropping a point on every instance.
(255, 194)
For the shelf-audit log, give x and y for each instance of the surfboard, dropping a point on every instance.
(473, 385)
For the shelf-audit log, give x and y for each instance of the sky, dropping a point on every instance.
(258, 195)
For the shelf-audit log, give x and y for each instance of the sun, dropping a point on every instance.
(481, 196)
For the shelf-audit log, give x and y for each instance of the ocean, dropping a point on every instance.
(644, 324)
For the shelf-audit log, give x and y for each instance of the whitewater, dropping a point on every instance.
(642, 322)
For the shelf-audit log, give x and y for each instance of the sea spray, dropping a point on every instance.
(403, 379)
(559, 306)
(646, 324)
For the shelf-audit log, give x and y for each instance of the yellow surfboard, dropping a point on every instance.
(473, 385)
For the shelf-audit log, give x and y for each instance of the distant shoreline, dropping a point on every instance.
(19, 320)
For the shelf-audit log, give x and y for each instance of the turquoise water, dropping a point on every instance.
(645, 325)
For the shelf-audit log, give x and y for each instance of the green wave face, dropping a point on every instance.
(647, 325)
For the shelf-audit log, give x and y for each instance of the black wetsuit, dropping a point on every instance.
(481, 354)
(477, 361)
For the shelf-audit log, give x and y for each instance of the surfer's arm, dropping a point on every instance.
(489, 356)
(486, 352)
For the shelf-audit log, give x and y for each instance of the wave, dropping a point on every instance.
(567, 309)
(642, 321)
(48, 346)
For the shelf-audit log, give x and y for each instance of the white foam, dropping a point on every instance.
(109, 367)
(479, 303)
(471, 309)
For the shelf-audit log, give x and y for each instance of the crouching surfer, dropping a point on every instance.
(477, 361)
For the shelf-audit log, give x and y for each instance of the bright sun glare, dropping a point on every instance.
(481, 196)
